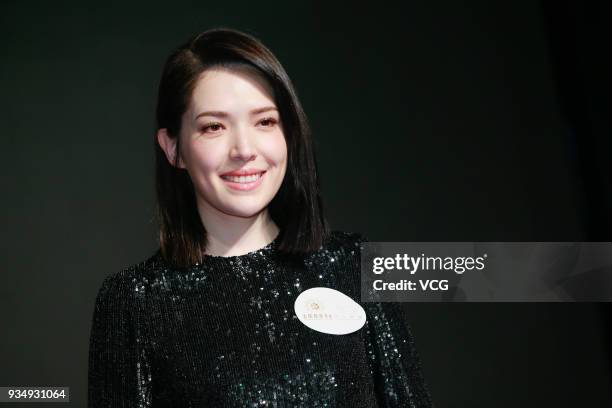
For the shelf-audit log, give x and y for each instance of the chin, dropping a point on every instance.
(247, 211)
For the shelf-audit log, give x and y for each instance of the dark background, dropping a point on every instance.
(434, 121)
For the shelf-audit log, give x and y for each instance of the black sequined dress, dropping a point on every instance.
(224, 333)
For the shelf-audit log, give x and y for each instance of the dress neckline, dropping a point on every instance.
(266, 249)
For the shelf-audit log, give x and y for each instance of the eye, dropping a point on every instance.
(212, 127)
(268, 122)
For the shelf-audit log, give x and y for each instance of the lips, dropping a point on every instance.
(243, 180)
(243, 172)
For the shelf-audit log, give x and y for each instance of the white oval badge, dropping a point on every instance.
(329, 311)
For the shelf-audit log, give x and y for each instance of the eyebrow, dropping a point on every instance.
(222, 114)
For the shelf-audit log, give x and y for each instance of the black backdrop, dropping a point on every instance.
(434, 120)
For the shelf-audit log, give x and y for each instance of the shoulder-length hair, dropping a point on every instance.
(297, 207)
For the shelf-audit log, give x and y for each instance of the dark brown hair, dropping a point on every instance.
(296, 208)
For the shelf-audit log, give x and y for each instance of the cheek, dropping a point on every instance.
(205, 158)
(276, 149)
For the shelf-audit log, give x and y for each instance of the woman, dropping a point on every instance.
(211, 319)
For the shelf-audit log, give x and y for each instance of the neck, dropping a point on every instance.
(229, 235)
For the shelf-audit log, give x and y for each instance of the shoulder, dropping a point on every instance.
(339, 246)
(338, 262)
(343, 239)
(124, 285)
(344, 243)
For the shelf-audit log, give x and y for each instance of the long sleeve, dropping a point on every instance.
(396, 365)
(119, 372)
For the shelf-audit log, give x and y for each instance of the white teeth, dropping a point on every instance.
(242, 179)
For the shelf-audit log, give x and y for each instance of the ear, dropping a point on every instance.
(168, 145)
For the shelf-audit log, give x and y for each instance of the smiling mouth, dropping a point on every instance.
(244, 179)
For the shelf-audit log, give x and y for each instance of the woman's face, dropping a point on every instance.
(232, 143)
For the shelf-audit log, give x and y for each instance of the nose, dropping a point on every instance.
(242, 146)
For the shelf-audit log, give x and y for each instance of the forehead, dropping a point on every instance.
(231, 91)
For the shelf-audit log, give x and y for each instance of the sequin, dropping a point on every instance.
(222, 333)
